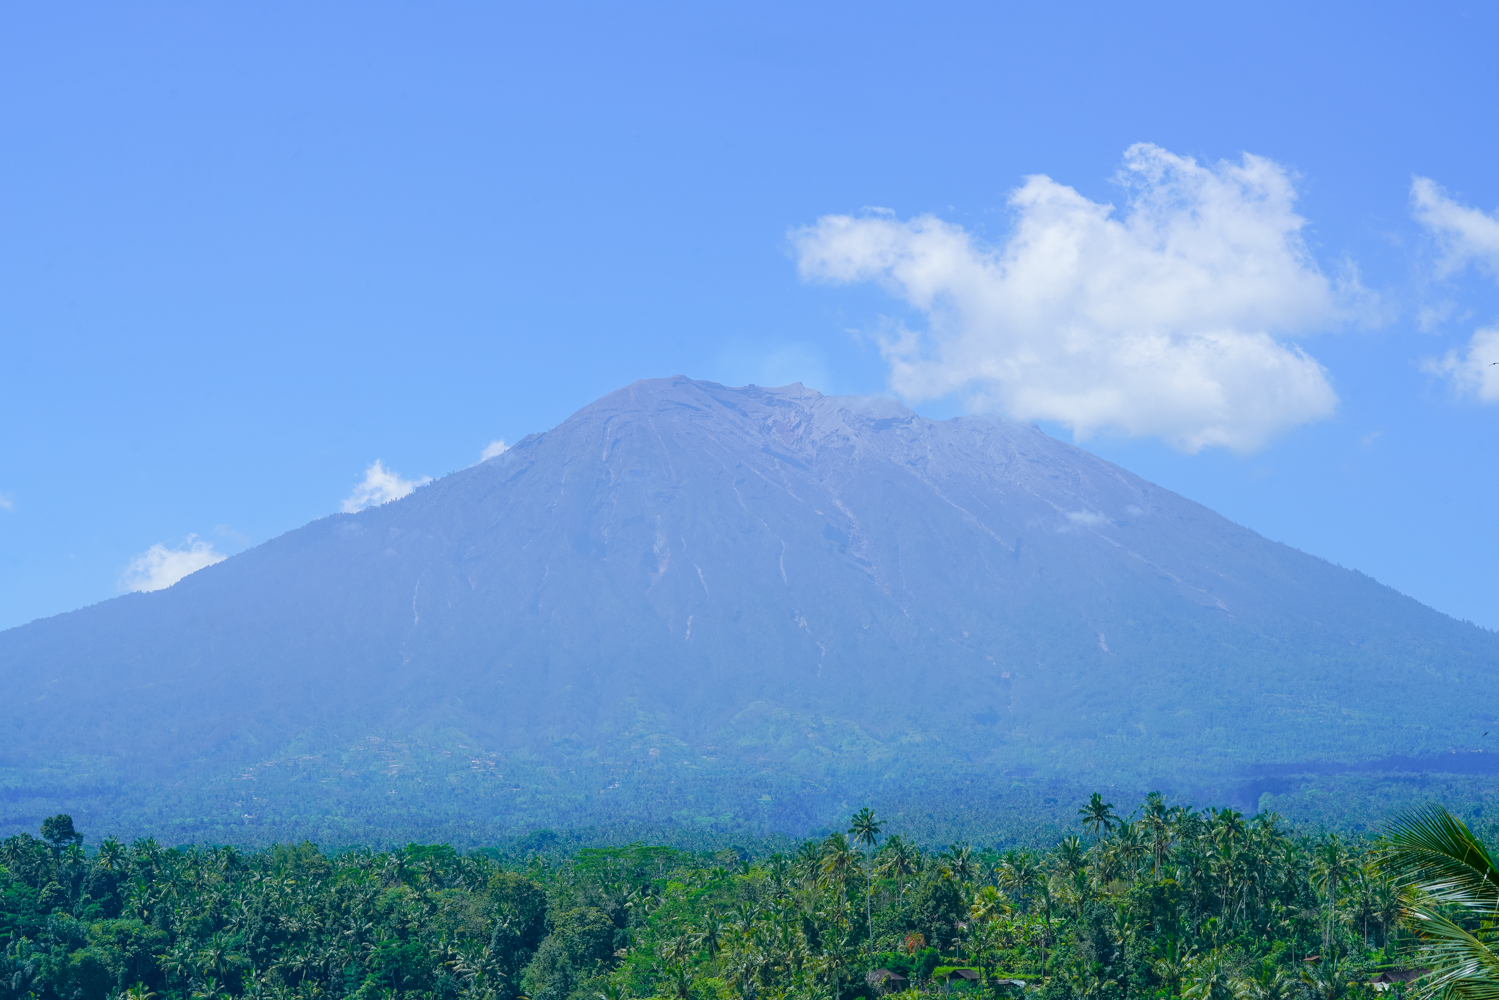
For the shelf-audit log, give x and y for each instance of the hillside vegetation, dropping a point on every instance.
(1170, 901)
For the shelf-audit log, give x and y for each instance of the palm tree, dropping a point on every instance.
(983, 935)
(1172, 965)
(960, 863)
(677, 948)
(1158, 823)
(1434, 854)
(1043, 893)
(1365, 901)
(808, 856)
(1071, 856)
(866, 833)
(831, 963)
(1124, 927)
(1326, 980)
(1098, 814)
(1128, 846)
(1268, 982)
(1075, 888)
(900, 861)
(837, 862)
(1333, 864)
(1019, 871)
(111, 855)
(216, 958)
(1387, 909)
(988, 904)
(681, 982)
(710, 936)
(865, 827)
(1210, 977)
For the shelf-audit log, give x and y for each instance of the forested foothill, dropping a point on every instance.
(1168, 901)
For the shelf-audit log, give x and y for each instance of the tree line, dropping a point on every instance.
(1165, 902)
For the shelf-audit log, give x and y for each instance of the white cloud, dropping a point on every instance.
(1160, 321)
(6, 503)
(492, 449)
(1474, 372)
(380, 485)
(159, 567)
(1464, 234)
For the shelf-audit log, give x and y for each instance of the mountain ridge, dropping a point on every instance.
(836, 597)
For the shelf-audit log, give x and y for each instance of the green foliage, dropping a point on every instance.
(1454, 883)
(579, 946)
(1166, 902)
(936, 908)
(58, 831)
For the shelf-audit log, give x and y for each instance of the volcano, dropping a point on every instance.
(740, 608)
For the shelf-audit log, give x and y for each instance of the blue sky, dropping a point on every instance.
(248, 250)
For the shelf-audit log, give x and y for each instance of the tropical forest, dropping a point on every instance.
(1165, 901)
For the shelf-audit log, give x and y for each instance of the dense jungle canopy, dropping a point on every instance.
(1167, 902)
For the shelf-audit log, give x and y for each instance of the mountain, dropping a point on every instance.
(738, 609)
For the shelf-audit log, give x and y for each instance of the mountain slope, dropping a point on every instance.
(743, 607)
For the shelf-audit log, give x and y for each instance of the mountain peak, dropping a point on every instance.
(746, 603)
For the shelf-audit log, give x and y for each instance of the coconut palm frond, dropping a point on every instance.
(1462, 964)
(1435, 850)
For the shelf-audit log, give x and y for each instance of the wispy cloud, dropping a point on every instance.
(775, 365)
(159, 567)
(6, 503)
(1473, 371)
(380, 485)
(1159, 321)
(492, 449)
(1464, 234)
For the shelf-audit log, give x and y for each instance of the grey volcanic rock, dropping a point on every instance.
(752, 605)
